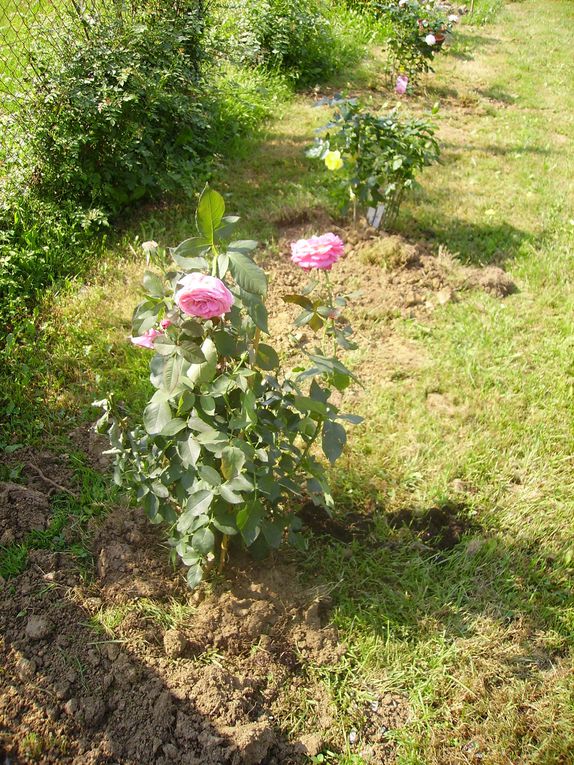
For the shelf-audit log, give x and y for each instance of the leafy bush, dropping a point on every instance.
(226, 447)
(41, 242)
(119, 116)
(309, 40)
(418, 32)
(376, 158)
(242, 98)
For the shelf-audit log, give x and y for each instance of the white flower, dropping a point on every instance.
(402, 3)
(430, 39)
(150, 246)
(453, 18)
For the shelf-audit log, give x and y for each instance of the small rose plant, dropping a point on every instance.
(418, 32)
(227, 448)
(380, 154)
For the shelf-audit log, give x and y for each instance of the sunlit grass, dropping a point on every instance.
(477, 638)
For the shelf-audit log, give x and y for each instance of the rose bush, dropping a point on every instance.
(380, 158)
(226, 447)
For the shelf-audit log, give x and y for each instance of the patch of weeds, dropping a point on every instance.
(70, 516)
(107, 620)
(32, 746)
(484, 12)
(167, 616)
(13, 560)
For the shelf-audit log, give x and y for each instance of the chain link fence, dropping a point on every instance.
(27, 26)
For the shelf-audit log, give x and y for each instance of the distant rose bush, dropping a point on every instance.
(227, 449)
(382, 154)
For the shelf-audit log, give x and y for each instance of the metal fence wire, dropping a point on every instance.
(29, 25)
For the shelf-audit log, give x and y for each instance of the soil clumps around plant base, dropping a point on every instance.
(133, 668)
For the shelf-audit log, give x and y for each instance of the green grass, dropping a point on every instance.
(70, 513)
(477, 638)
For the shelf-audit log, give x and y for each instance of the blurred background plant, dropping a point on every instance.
(374, 158)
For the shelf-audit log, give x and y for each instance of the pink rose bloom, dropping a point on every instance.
(317, 252)
(402, 83)
(147, 339)
(165, 323)
(203, 296)
(430, 40)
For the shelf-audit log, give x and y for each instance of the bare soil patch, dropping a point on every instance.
(209, 687)
(439, 528)
(394, 278)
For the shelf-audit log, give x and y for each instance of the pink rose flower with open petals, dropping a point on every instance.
(317, 252)
(203, 296)
(147, 339)
(402, 83)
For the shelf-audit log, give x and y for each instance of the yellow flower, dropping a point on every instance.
(333, 160)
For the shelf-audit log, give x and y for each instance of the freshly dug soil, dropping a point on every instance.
(211, 687)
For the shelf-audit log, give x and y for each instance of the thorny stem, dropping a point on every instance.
(223, 552)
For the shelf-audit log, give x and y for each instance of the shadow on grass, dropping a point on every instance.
(396, 571)
(495, 150)
(496, 93)
(465, 44)
(473, 243)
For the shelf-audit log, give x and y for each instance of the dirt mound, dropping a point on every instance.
(493, 280)
(394, 278)
(109, 672)
(130, 561)
(22, 509)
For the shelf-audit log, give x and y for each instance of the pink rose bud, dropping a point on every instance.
(402, 83)
(165, 323)
(317, 252)
(203, 296)
(147, 339)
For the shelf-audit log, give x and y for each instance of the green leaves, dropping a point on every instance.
(198, 504)
(248, 275)
(209, 214)
(205, 371)
(334, 439)
(153, 285)
(266, 357)
(157, 415)
(145, 316)
(166, 373)
(232, 461)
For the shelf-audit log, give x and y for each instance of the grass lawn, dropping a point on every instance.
(477, 636)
